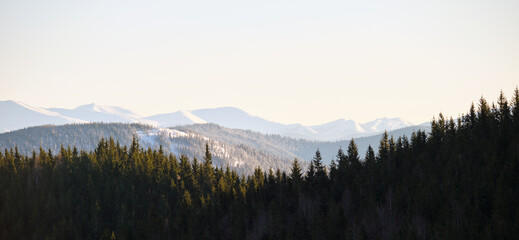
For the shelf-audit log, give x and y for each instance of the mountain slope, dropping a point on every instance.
(242, 150)
(99, 113)
(381, 124)
(338, 130)
(17, 115)
(236, 118)
(240, 157)
(289, 147)
(175, 118)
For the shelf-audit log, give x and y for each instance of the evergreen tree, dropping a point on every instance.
(296, 172)
(342, 160)
(370, 163)
(515, 109)
(353, 155)
(207, 157)
(317, 161)
(383, 149)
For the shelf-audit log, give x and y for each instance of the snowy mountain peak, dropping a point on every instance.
(340, 121)
(102, 113)
(93, 107)
(17, 115)
(176, 118)
(17, 104)
(388, 124)
(86, 107)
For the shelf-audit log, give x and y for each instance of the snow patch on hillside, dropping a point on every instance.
(192, 117)
(152, 134)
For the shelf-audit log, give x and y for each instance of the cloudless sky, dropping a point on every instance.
(304, 62)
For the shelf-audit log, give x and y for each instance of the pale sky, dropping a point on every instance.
(304, 62)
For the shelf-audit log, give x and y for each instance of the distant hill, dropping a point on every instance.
(99, 113)
(17, 115)
(289, 147)
(240, 157)
(242, 150)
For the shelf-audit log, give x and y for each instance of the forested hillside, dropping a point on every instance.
(458, 182)
(240, 157)
(83, 136)
(243, 150)
(287, 147)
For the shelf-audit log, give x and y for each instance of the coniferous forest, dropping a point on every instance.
(460, 181)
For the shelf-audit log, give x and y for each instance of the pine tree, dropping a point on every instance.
(310, 174)
(383, 148)
(342, 172)
(135, 145)
(504, 109)
(472, 116)
(333, 171)
(296, 172)
(353, 154)
(515, 109)
(207, 157)
(208, 177)
(318, 164)
(370, 163)
(342, 159)
(370, 157)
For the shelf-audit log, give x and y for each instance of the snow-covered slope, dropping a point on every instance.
(236, 118)
(99, 113)
(17, 115)
(381, 124)
(175, 119)
(338, 130)
(298, 131)
(343, 129)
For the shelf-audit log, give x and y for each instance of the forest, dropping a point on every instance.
(238, 154)
(460, 181)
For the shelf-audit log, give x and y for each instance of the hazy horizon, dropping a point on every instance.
(306, 62)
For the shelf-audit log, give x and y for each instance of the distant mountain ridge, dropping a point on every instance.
(242, 150)
(17, 115)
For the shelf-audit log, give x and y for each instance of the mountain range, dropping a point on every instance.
(17, 115)
(242, 150)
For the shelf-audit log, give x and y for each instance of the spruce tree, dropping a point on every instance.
(342, 159)
(370, 163)
(353, 154)
(207, 156)
(515, 109)
(310, 174)
(208, 177)
(504, 109)
(318, 164)
(383, 148)
(296, 172)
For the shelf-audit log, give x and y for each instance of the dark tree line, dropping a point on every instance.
(458, 182)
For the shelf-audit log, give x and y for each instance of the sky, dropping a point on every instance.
(305, 62)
